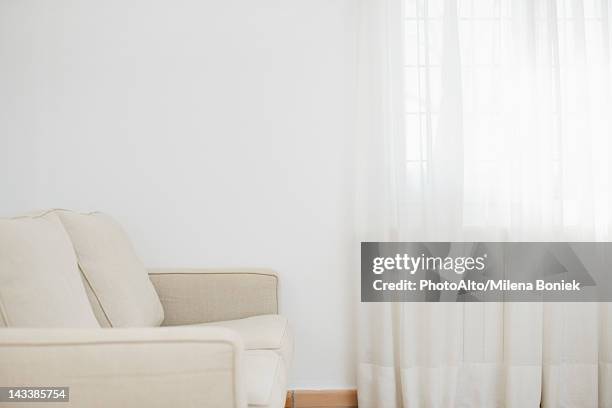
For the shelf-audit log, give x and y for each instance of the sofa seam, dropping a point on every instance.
(114, 342)
(278, 363)
(36, 215)
(3, 314)
(214, 273)
(238, 375)
(94, 293)
(276, 287)
(280, 342)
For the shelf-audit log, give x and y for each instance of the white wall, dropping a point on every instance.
(215, 131)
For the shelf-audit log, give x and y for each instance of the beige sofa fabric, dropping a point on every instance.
(191, 296)
(94, 302)
(265, 332)
(244, 301)
(114, 273)
(138, 368)
(240, 360)
(40, 284)
(266, 379)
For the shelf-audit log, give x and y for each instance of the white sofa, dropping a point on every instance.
(78, 310)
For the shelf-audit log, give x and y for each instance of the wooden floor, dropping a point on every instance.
(321, 399)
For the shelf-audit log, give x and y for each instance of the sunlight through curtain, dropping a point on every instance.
(485, 120)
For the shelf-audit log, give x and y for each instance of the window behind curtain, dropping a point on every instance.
(530, 83)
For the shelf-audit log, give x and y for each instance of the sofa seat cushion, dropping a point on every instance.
(40, 282)
(265, 332)
(113, 272)
(266, 379)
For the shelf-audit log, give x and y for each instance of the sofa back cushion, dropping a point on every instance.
(40, 283)
(118, 282)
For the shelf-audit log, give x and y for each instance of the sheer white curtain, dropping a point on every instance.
(485, 120)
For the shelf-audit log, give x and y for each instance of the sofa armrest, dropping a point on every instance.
(144, 367)
(192, 296)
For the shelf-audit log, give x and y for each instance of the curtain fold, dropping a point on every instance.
(484, 121)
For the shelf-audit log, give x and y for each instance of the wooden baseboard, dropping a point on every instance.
(321, 399)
